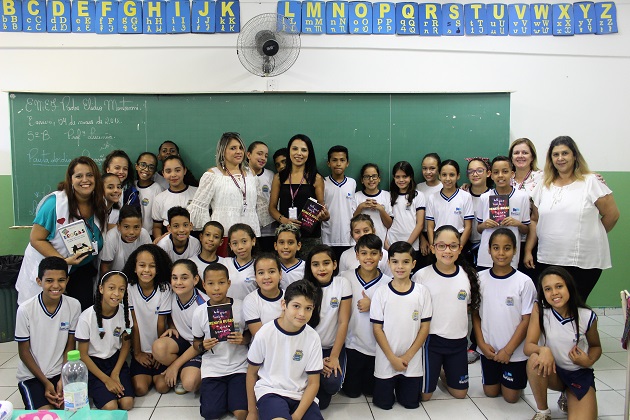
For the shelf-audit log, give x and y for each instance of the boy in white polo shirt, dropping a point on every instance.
(285, 360)
(179, 244)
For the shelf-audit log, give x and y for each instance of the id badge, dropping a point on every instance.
(293, 213)
(95, 248)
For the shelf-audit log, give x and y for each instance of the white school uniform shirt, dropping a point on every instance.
(160, 180)
(114, 327)
(405, 218)
(242, 278)
(348, 261)
(147, 198)
(339, 199)
(193, 247)
(202, 264)
(265, 179)
(285, 359)
(291, 274)
(560, 335)
(519, 210)
(451, 210)
(168, 199)
(401, 315)
(182, 313)
(333, 293)
(360, 336)
(504, 301)
(428, 191)
(147, 309)
(450, 296)
(382, 197)
(258, 308)
(475, 236)
(569, 229)
(225, 358)
(46, 332)
(117, 251)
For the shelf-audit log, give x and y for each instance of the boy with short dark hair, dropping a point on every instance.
(211, 239)
(401, 313)
(178, 244)
(339, 199)
(44, 330)
(280, 158)
(285, 360)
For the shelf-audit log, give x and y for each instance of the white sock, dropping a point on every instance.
(547, 411)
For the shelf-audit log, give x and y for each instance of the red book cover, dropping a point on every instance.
(499, 207)
(308, 217)
(221, 321)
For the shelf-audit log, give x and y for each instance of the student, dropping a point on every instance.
(453, 286)
(223, 363)
(112, 193)
(179, 244)
(408, 207)
(400, 313)
(148, 269)
(563, 345)
(117, 162)
(500, 324)
(264, 305)
(288, 243)
(122, 241)
(257, 155)
(518, 218)
(174, 347)
(360, 343)
(373, 201)
(451, 206)
(169, 148)
(478, 173)
(241, 240)
(339, 199)
(331, 321)
(280, 158)
(103, 337)
(275, 388)
(211, 239)
(177, 194)
(430, 172)
(147, 188)
(360, 225)
(44, 329)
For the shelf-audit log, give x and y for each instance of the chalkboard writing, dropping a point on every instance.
(49, 130)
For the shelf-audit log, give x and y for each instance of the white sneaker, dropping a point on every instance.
(179, 388)
(562, 403)
(542, 416)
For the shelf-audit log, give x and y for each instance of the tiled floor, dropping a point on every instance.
(609, 372)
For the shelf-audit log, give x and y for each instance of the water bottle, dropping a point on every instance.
(75, 382)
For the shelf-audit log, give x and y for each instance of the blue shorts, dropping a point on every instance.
(359, 374)
(97, 389)
(182, 346)
(34, 394)
(221, 395)
(331, 385)
(407, 390)
(512, 375)
(271, 406)
(450, 354)
(137, 369)
(577, 381)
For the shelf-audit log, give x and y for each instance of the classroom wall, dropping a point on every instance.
(559, 85)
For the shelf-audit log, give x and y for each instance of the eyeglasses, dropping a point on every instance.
(441, 246)
(143, 165)
(478, 171)
(370, 177)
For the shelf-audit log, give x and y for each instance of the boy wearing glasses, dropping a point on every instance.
(148, 189)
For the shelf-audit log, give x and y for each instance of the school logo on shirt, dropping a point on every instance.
(145, 202)
(157, 310)
(461, 295)
(250, 279)
(117, 332)
(515, 211)
(64, 326)
(298, 355)
(334, 302)
(265, 188)
(415, 315)
(457, 210)
(509, 301)
(349, 196)
(508, 376)
(189, 201)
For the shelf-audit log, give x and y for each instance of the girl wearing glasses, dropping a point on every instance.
(478, 173)
(373, 201)
(148, 189)
(454, 287)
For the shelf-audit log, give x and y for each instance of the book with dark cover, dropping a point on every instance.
(309, 213)
(220, 321)
(499, 207)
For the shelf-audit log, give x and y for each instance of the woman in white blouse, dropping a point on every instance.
(572, 214)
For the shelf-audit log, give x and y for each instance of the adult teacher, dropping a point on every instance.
(294, 185)
(572, 214)
(80, 197)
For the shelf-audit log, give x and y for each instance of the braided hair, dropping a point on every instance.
(98, 301)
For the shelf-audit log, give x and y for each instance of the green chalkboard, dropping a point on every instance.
(49, 130)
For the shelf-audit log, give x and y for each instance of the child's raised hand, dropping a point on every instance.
(364, 303)
(209, 343)
(235, 338)
(170, 333)
(502, 357)
(170, 375)
(145, 359)
(487, 350)
(580, 357)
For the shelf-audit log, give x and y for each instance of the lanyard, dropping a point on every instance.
(522, 184)
(88, 226)
(293, 195)
(242, 190)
